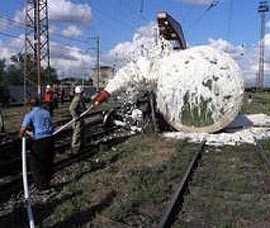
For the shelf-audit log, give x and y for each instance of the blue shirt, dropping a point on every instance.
(41, 122)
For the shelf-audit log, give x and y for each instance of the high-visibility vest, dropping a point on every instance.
(48, 96)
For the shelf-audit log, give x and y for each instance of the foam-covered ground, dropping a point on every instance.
(244, 129)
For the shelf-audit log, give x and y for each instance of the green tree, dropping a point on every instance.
(15, 71)
(14, 74)
(2, 70)
(49, 75)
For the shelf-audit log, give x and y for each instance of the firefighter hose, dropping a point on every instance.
(101, 97)
(28, 203)
(73, 120)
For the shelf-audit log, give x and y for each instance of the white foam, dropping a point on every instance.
(173, 75)
(200, 74)
(242, 130)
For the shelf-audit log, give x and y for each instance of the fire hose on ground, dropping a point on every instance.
(28, 202)
(102, 96)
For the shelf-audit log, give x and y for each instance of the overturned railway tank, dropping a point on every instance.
(198, 89)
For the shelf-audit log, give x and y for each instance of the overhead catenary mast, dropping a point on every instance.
(262, 9)
(37, 51)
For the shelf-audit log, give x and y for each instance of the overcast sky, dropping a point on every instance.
(230, 25)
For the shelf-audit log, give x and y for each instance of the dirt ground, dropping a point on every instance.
(129, 185)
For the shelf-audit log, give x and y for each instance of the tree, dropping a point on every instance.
(2, 70)
(15, 71)
(49, 78)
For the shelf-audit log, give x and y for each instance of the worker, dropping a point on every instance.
(2, 125)
(55, 95)
(61, 94)
(77, 107)
(249, 98)
(72, 92)
(39, 121)
(6, 97)
(48, 100)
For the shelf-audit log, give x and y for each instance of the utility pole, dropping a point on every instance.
(96, 69)
(97, 63)
(262, 9)
(37, 51)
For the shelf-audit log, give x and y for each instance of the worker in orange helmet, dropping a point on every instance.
(48, 99)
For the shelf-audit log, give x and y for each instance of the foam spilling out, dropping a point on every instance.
(200, 90)
(244, 129)
(197, 90)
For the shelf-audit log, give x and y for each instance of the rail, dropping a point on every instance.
(177, 199)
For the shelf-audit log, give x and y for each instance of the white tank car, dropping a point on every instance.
(197, 90)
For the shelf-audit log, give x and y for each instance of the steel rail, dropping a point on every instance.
(14, 183)
(176, 202)
(259, 149)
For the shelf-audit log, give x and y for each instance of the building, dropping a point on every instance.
(102, 77)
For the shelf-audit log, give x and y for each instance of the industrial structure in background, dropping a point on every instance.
(96, 76)
(262, 9)
(102, 75)
(171, 30)
(37, 50)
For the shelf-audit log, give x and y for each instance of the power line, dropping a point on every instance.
(139, 15)
(141, 8)
(113, 18)
(22, 26)
(10, 35)
(200, 17)
(72, 22)
(20, 2)
(229, 19)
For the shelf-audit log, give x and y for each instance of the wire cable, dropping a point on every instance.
(202, 15)
(229, 19)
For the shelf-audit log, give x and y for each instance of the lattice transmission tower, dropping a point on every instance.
(37, 50)
(262, 9)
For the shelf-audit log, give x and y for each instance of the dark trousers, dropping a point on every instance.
(49, 107)
(42, 154)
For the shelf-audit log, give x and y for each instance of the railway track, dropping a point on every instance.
(263, 156)
(228, 188)
(173, 216)
(96, 135)
(176, 202)
(197, 178)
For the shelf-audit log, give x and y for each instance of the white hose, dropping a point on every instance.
(73, 120)
(27, 198)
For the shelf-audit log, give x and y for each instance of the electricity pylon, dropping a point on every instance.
(37, 50)
(262, 9)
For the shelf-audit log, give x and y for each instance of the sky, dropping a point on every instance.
(232, 26)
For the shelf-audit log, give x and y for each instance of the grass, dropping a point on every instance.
(149, 186)
(260, 103)
(228, 189)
